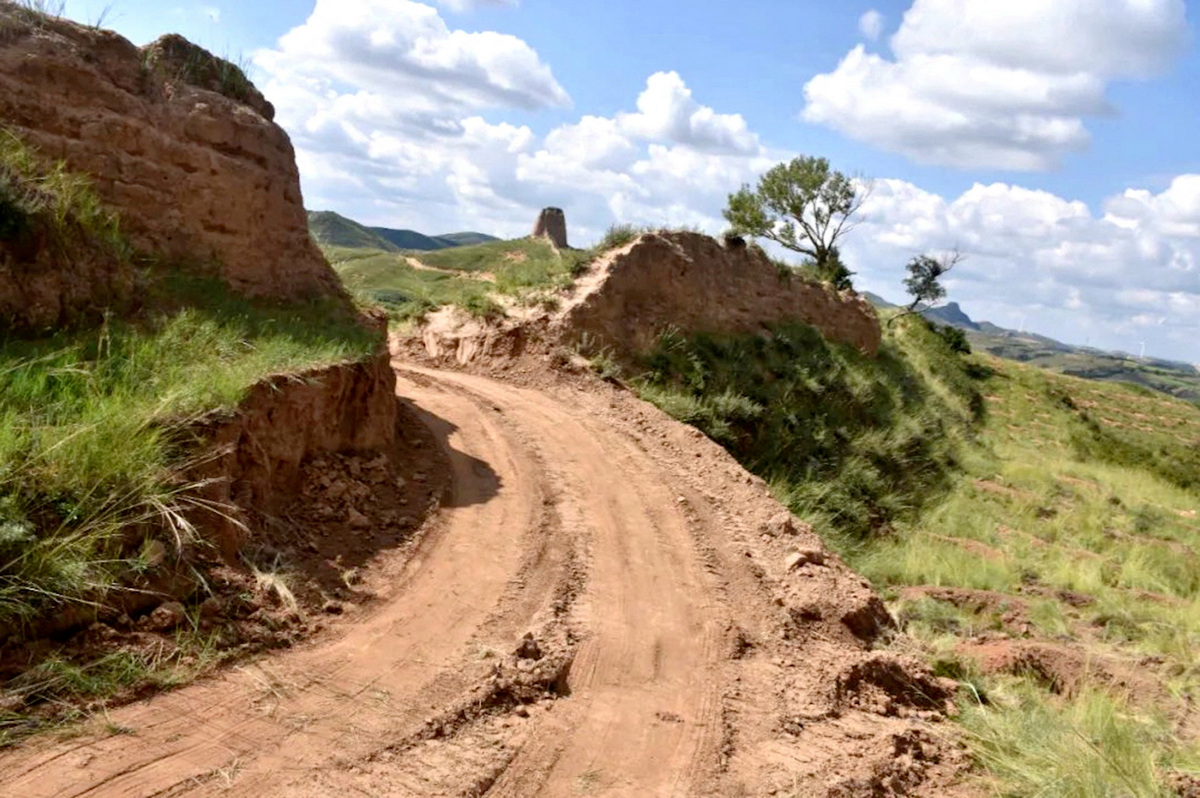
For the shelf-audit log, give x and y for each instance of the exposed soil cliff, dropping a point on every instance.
(175, 139)
(258, 452)
(690, 282)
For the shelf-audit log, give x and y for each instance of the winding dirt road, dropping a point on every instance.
(676, 648)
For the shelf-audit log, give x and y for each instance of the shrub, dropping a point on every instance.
(618, 235)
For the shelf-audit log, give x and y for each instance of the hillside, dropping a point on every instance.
(527, 654)
(332, 229)
(1177, 379)
(148, 334)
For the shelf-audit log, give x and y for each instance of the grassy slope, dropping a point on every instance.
(1169, 378)
(332, 229)
(1084, 510)
(468, 276)
(89, 416)
(1077, 500)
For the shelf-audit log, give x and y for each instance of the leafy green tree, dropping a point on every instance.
(802, 205)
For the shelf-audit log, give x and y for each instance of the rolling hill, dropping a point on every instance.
(333, 229)
(1168, 376)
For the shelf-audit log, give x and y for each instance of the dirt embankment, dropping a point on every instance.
(174, 139)
(255, 456)
(182, 147)
(690, 282)
(665, 281)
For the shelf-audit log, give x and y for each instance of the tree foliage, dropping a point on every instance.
(924, 280)
(802, 205)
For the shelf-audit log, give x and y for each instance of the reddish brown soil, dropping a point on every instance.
(606, 604)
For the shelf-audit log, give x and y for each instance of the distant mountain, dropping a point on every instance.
(1168, 376)
(336, 230)
(411, 239)
(951, 314)
(466, 239)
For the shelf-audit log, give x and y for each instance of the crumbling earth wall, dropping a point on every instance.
(692, 283)
(174, 139)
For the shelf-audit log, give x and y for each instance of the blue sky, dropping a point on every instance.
(1054, 143)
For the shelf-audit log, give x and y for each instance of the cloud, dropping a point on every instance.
(870, 25)
(386, 139)
(666, 111)
(974, 83)
(1131, 272)
(404, 51)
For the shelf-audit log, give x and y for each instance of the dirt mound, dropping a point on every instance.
(691, 283)
(173, 138)
(257, 454)
(683, 282)
(1063, 668)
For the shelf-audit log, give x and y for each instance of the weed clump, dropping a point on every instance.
(618, 235)
(42, 198)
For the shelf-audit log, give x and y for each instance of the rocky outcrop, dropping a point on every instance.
(551, 224)
(691, 283)
(174, 139)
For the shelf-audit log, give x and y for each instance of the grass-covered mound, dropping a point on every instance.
(475, 277)
(851, 442)
(997, 506)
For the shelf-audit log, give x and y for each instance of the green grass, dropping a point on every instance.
(57, 687)
(521, 264)
(1176, 379)
(90, 423)
(471, 277)
(618, 235)
(386, 279)
(41, 197)
(91, 418)
(1077, 502)
(850, 442)
(1094, 745)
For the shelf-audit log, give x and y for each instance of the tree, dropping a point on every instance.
(804, 206)
(924, 281)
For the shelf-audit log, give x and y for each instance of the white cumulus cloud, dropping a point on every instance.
(975, 83)
(405, 52)
(666, 111)
(468, 5)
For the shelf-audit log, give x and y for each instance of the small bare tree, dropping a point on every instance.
(924, 280)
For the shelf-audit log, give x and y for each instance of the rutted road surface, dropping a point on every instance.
(678, 647)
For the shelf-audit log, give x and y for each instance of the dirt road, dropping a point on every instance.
(676, 647)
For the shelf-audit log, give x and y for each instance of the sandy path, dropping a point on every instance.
(265, 729)
(634, 548)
